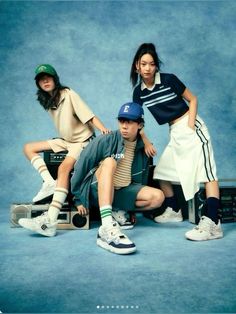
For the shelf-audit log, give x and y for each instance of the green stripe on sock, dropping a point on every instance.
(107, 215)
(105, 212)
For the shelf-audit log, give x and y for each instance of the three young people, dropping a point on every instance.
(188, 157)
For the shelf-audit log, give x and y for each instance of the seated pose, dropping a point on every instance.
(75, 124)
(188, 158)
(112, 173)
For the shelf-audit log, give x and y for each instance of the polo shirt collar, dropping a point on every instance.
(157, 81)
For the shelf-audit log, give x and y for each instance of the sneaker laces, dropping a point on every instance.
(43, 188)
(43, 218)
(168, 212)
(204, 224)
(46, 185)
(120, 217)
(114, 233)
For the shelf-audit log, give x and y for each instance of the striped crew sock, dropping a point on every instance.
(39, 164)
(106, 216)
(58, 200)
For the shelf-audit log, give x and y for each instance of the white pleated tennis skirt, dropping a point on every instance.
(188, 158)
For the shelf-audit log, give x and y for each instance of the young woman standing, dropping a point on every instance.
(188, 157)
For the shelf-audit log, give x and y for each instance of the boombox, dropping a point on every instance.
(227, 212)
(67, 219)
(53, 160)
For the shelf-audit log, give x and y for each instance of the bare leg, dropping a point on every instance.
(63, 172)
(61, 190)
(32, 152)
(33, 149)
(104, 175)
(167, 188)
(149, 198)
(212, 189)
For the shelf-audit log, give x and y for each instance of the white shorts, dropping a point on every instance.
(188, 157)
(74, 149)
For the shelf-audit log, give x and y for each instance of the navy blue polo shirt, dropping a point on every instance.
(164, 100)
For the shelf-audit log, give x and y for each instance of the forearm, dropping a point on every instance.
(192, 112)
(192, 103)
(98, 124)
(148, 146)
(144, 137)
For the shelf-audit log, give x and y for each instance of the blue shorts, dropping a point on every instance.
(124, 198)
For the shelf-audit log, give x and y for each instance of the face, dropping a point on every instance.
(129, 129)
(146, 67)
(46, 83)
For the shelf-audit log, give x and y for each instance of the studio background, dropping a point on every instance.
(91, 44)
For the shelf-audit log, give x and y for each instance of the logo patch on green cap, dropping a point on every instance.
(45, 68)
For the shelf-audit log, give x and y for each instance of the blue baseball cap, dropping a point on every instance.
(131, 111)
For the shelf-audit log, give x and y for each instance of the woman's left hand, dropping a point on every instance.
(150, 150)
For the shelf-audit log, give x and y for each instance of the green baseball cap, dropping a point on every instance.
(45, 68)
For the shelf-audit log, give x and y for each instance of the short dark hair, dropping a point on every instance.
(142, 50)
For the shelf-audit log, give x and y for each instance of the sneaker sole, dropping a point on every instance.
(43, 200)
(171, 220)
(126, 227)
(25, 226)
(210, 238)
(110, 248)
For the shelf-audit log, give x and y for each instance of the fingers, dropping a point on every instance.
(82, 210)
(150, 151)
(105, 131)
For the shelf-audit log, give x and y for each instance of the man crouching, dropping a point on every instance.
(112, 173)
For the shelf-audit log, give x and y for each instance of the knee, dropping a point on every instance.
(109, 164)
(157, 198)
(27, 148)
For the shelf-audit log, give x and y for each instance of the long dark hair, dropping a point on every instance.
(142, 50)
(46, 100)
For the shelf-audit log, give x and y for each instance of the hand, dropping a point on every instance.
(191, 127)
(105, 131)
(82, 210)
(150, 150)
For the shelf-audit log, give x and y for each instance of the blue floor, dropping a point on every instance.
(70, 274)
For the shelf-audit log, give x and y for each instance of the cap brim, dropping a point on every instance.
(41, 74)
(127, 117)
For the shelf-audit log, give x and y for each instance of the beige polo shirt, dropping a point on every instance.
(72, 116)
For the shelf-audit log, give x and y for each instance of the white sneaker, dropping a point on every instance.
(40, 224)
(46, 190)
(169, 215)
(205, 230)
(120, 217)
(112, 239)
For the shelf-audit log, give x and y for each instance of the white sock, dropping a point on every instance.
(58, 200)
(106, 216)
(39, 164)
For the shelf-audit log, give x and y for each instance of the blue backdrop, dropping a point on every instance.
(92, 44)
